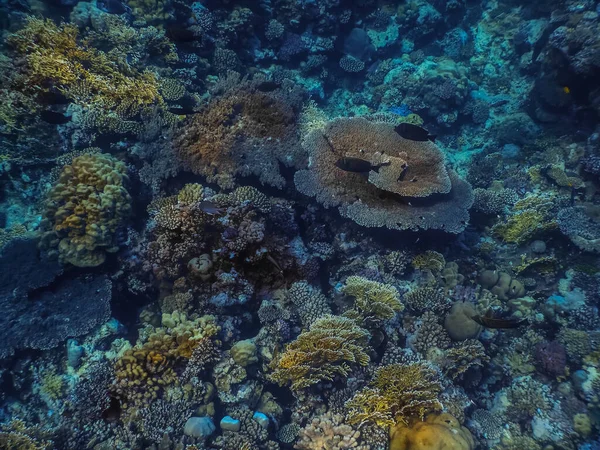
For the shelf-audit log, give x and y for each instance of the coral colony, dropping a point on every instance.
(298, 224)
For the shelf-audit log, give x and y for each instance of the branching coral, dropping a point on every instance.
(331, 348)
(54, 57)
(85, 208)
(427, 298)
(329, 431)
(144, 370)
(400, 194)
(244, 131)
(397, 394)
(373, 301)
(462, 357)
(311, 303)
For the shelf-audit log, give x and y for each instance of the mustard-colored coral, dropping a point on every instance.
(438, 432)
(397, 394)
(372, 300)
(430, 260)
(329, 349)
(16, 435)
(522, 227)
(144, 370)
(55, 57)
(85, 208)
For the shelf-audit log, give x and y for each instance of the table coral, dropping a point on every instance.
(397, 394)
(397, 196)
(85, 208)
(331, 348)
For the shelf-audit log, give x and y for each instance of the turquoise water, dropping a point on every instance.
(296, 224)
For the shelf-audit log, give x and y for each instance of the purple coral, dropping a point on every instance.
(551, 357)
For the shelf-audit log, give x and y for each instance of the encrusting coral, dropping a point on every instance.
(397, 394)
(400, 194)
(331, 348)
(85, 208)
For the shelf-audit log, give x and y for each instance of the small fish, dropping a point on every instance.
(567, 90)
(275, 263)
(54, 118)
(497, 323)
(414, 132)
(357, 165)
(112, 6)
(185, 105)
(177, 33)
(209, 208)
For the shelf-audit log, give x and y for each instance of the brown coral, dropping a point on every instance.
(243, 132)
(411, 190)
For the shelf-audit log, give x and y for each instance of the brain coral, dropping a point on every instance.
(411, 190)
(85, 208)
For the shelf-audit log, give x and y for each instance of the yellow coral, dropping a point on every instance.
(430, 260)
(328, 349)
(85, 208)
(398, 394)
(438, 432)
(522, 227)
(372, 300)
(54, 57)
(144, 370)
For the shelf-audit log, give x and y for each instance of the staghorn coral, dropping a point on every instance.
(85, 208)
(397, 196)
(54, 56)
(332, 347)
(243, 131)
(373, 301)
(397, 394)
(329, 432)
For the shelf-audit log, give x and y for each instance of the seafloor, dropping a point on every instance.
(299, 224)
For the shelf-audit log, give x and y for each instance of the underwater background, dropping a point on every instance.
(299, 224)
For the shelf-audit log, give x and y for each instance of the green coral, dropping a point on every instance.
(397, 394)
(372, 300)
(331, 348)
(16, 435)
